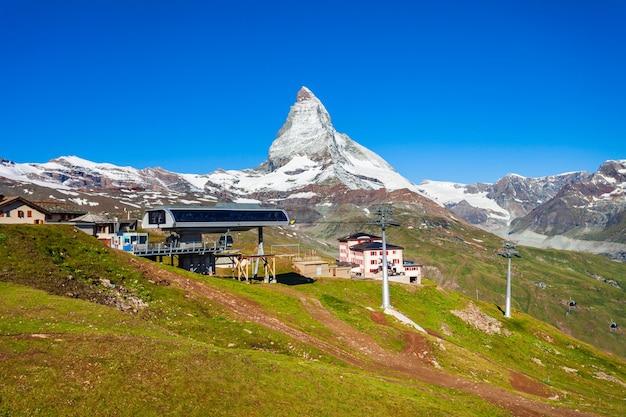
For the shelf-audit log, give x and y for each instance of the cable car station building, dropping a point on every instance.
(187, 224)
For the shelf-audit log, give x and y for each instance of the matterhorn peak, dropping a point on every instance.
(307, 131)
(308, 153)
(308, 135)
(305, 94)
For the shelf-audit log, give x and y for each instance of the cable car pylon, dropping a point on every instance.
(383, 211)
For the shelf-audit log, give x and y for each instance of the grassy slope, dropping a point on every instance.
(77, 358)
(185, 355)
(471, 264)
(464, 259)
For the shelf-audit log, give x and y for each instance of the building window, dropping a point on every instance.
(29, 213)
(20, 214)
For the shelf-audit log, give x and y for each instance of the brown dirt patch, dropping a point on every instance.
(521, 382)
(434, 333)
(417, 346)
(379, 317)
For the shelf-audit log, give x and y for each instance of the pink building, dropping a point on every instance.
(363, 252)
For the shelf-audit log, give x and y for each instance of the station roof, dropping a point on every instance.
(218, 218)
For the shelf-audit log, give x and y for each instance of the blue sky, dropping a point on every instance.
(463, 91)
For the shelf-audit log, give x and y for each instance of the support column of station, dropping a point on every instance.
(259, 252)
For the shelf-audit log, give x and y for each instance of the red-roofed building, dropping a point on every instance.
(18, 210)
(363, 252)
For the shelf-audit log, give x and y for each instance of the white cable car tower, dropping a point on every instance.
(508, 252)
(384, 222)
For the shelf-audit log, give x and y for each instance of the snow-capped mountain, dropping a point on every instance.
(309, 133)
(74, 173)
(511, 203)
(593, 206)
(495, 206)
(311, 165)
(308, 150)
(576, 211)
(307, 153)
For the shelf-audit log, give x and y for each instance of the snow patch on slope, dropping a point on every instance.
(446, 193)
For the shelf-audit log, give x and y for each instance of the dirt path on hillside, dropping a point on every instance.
(360, 350)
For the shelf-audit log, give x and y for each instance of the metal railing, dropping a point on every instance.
(162, 249)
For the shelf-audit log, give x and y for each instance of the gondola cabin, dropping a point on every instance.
(226, 241)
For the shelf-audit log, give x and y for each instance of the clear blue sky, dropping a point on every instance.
(462, 91)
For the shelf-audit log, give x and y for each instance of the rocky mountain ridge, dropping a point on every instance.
(583, 209)
(311, 164)
(575, 211)
(495, 206)
(307, 150)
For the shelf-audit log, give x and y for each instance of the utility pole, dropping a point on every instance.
(382, 211)
(508, 252)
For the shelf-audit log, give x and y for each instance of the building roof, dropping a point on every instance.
(373, 246)
(92, 218)
(61, 207)
(350, 264)
(6, 200)
(359, 235)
